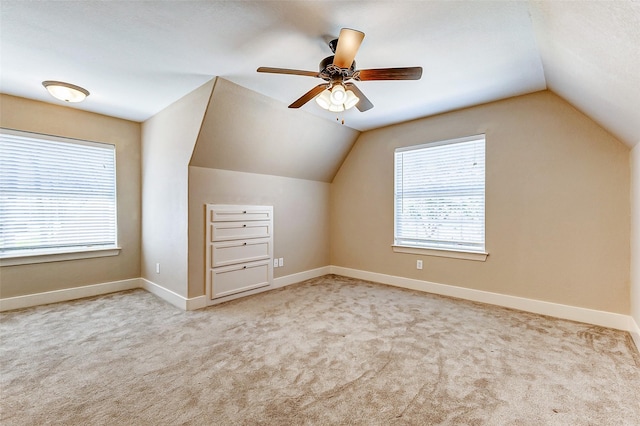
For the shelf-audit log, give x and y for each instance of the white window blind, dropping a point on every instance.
(56, 194)
(439, 195)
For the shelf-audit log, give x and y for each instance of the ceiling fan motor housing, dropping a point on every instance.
(333, 73)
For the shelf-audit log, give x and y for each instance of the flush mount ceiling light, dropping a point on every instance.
(65, 91)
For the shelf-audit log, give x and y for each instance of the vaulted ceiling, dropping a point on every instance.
(136, 58)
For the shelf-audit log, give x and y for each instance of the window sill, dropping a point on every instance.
(45, 257)
(454, 254)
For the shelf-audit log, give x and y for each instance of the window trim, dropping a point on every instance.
(480, 256)
(34, 256)
(447, 252)
(46, 256)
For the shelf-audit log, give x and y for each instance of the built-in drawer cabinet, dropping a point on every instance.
(239, 250)
(237, 213)
(234, 279)
(229, 252)
(223, 231)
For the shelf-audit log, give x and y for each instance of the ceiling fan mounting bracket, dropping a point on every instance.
(333, 44)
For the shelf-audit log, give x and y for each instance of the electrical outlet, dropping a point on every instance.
(281, 262)
(157, 268)
(275, 263)
(419, 264)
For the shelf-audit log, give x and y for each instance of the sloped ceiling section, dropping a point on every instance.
(472, 52)
(138, 57)
(590, 52)
(248, 132)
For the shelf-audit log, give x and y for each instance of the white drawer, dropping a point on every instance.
(238, 278)
(232, 252)
(240, 213)
(223, 231)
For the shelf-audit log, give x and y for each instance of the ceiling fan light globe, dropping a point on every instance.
(338, 95)
(336, 108)
(351, 100)
(324, 99)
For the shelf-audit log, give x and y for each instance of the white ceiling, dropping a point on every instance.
(137, 57)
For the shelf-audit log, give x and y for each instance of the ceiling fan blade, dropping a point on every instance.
(348, 44)
(288, 71)
(308, 96)
(410, 73)
(364, 104)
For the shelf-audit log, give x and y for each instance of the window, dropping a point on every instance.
(439, 198)
(57, 196)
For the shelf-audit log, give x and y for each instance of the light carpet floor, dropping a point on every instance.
(328, 351)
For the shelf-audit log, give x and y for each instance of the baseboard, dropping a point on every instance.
(634, 330)
(301, 276)
(590, 316)
(277, 283)
(195, 303)
(66, 294)
(186, 304)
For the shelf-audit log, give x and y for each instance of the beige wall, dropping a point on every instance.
(254, 150)
(300, 210)
(635, 235)
(249, 132)
(32, 116)
(557, 204)
(168, 139)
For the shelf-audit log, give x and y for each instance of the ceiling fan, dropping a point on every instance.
(338, 92)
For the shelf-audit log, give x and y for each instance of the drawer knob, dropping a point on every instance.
(244, 244)
(244, 212)
(244, 267)
(244, 226)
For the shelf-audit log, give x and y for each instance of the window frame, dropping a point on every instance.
(31, 256)
(434, 250)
